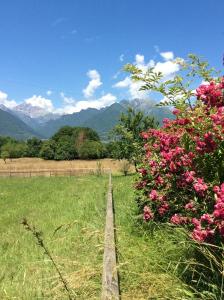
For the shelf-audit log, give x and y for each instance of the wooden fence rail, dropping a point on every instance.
(52, 172)
(110, 283)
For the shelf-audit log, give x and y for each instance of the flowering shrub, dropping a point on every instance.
(182, 174)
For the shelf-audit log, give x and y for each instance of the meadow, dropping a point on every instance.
(76, 208)
(71, 213)
(147, 260)
(37, 164)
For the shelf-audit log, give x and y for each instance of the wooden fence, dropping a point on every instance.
(110, 283)
(52, 172)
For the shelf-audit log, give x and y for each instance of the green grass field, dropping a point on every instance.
(76, 206)
(77, 203)
(147, 263)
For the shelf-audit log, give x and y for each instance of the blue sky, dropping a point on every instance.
(68, 55)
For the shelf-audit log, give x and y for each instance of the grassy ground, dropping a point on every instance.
(147, 263)
(76, 202)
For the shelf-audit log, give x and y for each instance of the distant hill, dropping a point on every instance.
(75, 119)
(102, 120)
(149, 107)
(11, 125)
(105, 119)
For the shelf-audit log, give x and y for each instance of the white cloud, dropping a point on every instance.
(41, 102)
(123, 83)
(7, 102)
(67, 100)
(167, 55)
(167, 67)
(49, 92)
(93, 84)
(121, 57)
(140, 59)
(77, 106)
(140, 62)
(133, 88)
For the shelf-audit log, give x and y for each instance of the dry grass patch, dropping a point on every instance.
(37, 164)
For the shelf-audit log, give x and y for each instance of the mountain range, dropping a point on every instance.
(26, 121)
(11, 125)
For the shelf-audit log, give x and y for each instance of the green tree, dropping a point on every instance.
(65, 149)
(48, 149)
(33, 147)
(5, 155)
(91, 150)
(15, 149)
(4, 140)
(70, 143)
(127, 141)
(65, 131)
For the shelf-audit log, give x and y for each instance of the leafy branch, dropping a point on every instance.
(178, 90)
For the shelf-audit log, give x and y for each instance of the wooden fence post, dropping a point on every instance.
(110, 285)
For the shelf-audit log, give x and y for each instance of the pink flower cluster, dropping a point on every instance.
(182, 165)
(218, 117)
(206, 144)
(211, 94)
(212, 224)
(200, 233)
(178, 219)
(200, 187)
(148, 215)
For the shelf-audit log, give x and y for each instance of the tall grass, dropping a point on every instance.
(159, 261)
(71, 214)
(148, 257)
(203, 270)
(154, 261)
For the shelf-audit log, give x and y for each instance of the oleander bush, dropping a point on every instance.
(182, 173)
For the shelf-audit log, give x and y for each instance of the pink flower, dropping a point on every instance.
(173, 167)
(189, 176)
(216, 189)
(207, 218)
(142, 171)
(153, 163)
(190, 206)
(200, 187)
(163, 208)
(206, 144)
(145, 135)
(183, 121)
(178, 219)
(195, 222)
(159, 180)
(147, 214)
(166, 120)
(219, 210)
(211, 94)
(176, 111)
(201, 235)
(153, 195)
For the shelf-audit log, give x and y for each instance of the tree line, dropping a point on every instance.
(69, 143)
